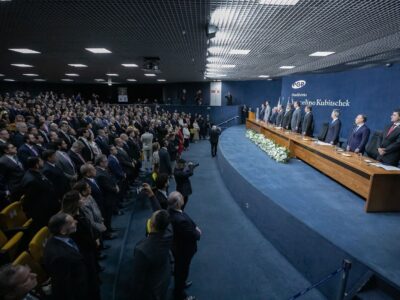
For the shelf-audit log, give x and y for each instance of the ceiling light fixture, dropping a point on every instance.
(130, 65)
(149, 75)
(39, 79)
(279, 2)
(239, 52)
(131, 80)
(112, 74)
(71, 74)
(77, 65)
(287, 67)
(8, 79)
(161, 80)
(1, 74)
(219, 66)
(22, 65)
(24, 50)
(98, 50)
(66, 79)
(99, 80)
(321, 53)
(263, 76)
(30, 75)
(215, 50)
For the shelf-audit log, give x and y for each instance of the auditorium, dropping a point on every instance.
(199, 149)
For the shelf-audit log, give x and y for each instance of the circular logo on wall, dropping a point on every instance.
(298, 84)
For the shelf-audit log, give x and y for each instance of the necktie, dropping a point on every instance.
(72, 243)
(34, 151)
(391, 130)
(17, 162)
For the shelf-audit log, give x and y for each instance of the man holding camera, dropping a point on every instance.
(182, 174)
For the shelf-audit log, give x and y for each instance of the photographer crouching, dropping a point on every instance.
(182, 174)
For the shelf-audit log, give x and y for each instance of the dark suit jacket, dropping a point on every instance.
(102, 143)
(287, 118)
(24, 152)
(182, 180)
(274, 116)
(78, 162)
(65, 136)
(185, 234)
(125, 161)
(40, 201)
(17, 139)
(67, 269)
(296, 120)
(57, 177)
(358, 139)
(151, 266)
(279, 118)
(116, 168)
(159, 201)
(165, 161)
(108, 186)
(87, 151)
(333, 132)
(11, 175)
(214, 135)
(68, 169)
(97, 194)
(391, 144)
(307, 126)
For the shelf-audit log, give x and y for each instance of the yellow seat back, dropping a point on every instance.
(13, 216)
(10, 246)
(38, 242)
(25, 259)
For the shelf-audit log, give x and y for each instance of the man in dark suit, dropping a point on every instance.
(126, 162)
(11, 171)
(102, 142)
(295, 123)
(40, 201)
(333, 134)
(151, 261)
(55, 174)
(18, 137)
(274, 115)
(87, 151)
(389, 150)
(64, 262)
(75, 155)
(182, 176)
(165, 160)
(64, 162)
(279, 116)
(214, 138)
(4, 136)
(63, 133)
(287, 117)
(184, 245)
(28, 149)
(359, 136)
(307, 126)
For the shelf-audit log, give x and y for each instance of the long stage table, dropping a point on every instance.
(380, 188)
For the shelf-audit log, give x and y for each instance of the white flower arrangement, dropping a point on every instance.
(276, 152)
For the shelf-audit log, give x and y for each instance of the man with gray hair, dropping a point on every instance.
(333, 135)
(147, 141)
(214, 137)
(184, 245)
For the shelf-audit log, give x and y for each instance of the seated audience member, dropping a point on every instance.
(151, 261)
(389, 150)
(359, 135)
(184, 245)
(64, 261)
(17, 283)
(333, 134)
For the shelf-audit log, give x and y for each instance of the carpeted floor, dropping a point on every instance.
(234, 260)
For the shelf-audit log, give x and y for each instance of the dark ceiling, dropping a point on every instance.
(362, 33)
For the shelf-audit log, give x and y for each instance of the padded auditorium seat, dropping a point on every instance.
(372, 147)
(37, 244)
(13, 217)
(26, 259)
(323, 132)
(9, 247)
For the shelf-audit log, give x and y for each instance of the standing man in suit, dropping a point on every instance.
(75, 154)
(184, 245)
(126, 162)
(295, 123)
(279, 116)
(147, 142)
(229, 99)
(268, 111)
(18, 137)
(389, 150)
(151, 261)
(214, 138)
(4, 136)
(287, 117)
(262, 112)
(333, 134)
(182, 175)
(63, 133)
(307, 126)
(359, 136)
(64, 262)
(87, 151)
(28, 149)
(64, 162)
(102, 142)
(165, 160)
(11, 171)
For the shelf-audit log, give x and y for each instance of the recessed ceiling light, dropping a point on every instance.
(263, 76)
(149, 75)
(98, 50)
(161, 80)
(287, 67)
(71, 74)
(1, 74)
(38, 79)
(8, 79)
(131, 80)
(215, 50)
(24, 51)
(269, 79)
(112, 74)
(99, 80)
(239, 52)
(77, 65)
(215, 75)
(130, 65)
(218, 66)
(22, 65)
(66, 79)
(321, 53)
(31, 75)
(279, 2)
